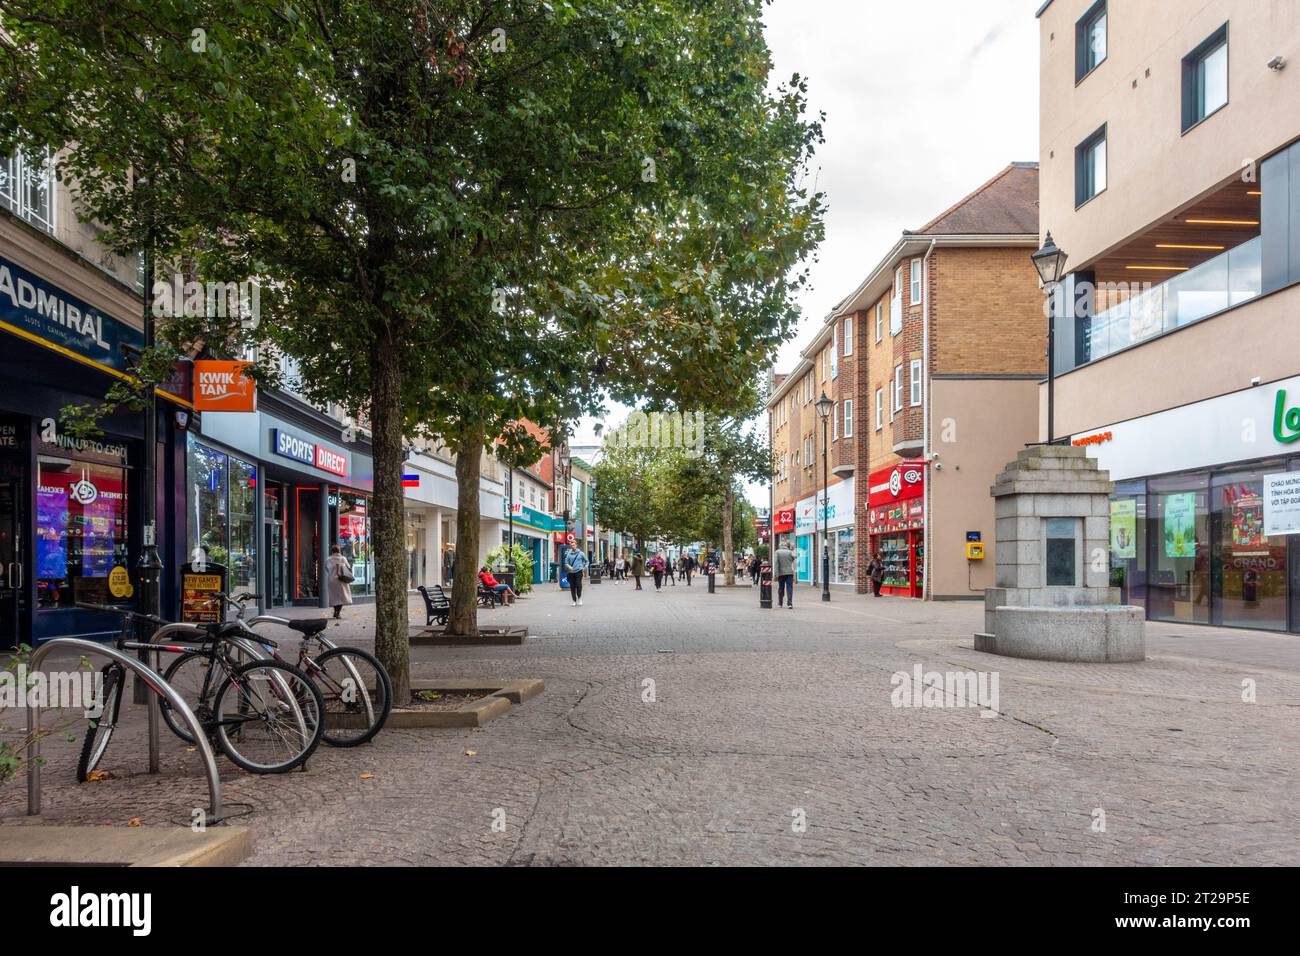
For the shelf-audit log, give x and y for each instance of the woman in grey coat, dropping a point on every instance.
(338, 589)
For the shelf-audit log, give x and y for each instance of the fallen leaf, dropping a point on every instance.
(190, 750)
(97, 775)
(471, 753)
(133, 822)
(367, 776)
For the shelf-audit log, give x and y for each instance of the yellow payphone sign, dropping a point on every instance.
(974, 551)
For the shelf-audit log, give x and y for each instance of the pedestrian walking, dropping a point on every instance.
(754, 566)
(575, 562)
(638, 569)
(338, 579)
(784, 570)
(448, 565)
(670, 569)
(657, 569)
(620, 568)
(877, 572)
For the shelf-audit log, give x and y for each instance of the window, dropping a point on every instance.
(81, 529)
(833, 353)
(880, 320)
(896, 304)
(1205, 78)
(27, 188)
(1090, 40)
(1090, 167)
(848, 418)
(880, 409)
(915, 376)
(898, 388)
(835, 423)
(848, 335)
(915, 291)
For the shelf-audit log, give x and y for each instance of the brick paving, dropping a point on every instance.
(760, 720)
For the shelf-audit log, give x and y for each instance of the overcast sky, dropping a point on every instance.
(924, 101)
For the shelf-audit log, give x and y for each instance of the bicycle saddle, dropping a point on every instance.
(308, 628)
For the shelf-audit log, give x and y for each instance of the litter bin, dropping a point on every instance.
(765, 586)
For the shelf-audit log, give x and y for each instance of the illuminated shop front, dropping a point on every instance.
(274, 490)
(896, 526)
(71, 525)
(1205, 516)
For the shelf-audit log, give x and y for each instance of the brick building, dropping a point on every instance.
(932, 367)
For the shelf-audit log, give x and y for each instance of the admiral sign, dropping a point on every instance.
(31, 306)
(288, 445)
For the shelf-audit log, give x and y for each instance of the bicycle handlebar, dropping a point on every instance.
(123, 611)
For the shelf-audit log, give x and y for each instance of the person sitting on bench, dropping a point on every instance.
(503, 591)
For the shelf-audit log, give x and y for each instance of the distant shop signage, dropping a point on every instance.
(288, 445)
(1282, 503)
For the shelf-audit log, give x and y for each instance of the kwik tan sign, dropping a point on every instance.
(221, 386)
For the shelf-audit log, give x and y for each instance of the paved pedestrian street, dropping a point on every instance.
(681, 727)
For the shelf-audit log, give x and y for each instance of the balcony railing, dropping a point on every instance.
(1226, 280)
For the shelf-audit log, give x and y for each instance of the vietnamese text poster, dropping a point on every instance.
(1123, 528)
(1180, 525)
(1282, 503)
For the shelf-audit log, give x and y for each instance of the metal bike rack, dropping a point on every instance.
(155, 683)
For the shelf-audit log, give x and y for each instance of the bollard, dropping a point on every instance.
(713, 573)
(765, 586)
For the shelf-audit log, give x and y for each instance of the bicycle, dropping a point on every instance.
(355, 688)
(265, 715)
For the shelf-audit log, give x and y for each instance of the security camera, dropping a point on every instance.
(1277, 63)
(1255, 380)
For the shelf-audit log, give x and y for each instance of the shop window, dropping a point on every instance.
(354, 540)
(1249, 569)
(243, 526)
(81, 530)
(1128, 542)
(207, 514)
(1178, 582)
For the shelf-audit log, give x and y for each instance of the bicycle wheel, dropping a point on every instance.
(267, 717)
(100, 730)
(186, 675)
(357, 692)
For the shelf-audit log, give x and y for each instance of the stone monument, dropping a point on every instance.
(1053, 599)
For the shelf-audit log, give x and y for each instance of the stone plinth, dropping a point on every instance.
(1030, 615)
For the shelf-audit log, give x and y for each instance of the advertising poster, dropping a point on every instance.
(1123, 529)
(1180, 525)
(1247, 517)
(1282, 503)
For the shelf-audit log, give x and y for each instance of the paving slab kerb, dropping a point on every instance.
(124, 846)
(756, 720)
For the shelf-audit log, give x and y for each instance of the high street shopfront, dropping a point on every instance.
(533, 532)
(71, 525)
(1205, 518)
(838, 522)
(270, 492)
(896, 526)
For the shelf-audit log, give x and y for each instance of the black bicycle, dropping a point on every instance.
(265, 715)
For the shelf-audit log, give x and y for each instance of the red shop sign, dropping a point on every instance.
(896, 483)
(784, 520)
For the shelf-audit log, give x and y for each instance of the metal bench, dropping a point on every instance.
(436, 605)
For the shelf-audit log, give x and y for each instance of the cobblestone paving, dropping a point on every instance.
(761, 720)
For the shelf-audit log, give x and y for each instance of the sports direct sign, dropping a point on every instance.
(288, 445)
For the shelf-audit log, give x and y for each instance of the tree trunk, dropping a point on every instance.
(728, 515)
(392, 646)
(464, 588)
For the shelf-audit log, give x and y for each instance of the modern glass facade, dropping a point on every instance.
(1191, 548)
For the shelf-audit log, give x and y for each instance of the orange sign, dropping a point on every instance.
(221, 386)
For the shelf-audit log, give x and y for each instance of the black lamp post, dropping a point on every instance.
(510, 513)
(1050, 263)
(824, 406)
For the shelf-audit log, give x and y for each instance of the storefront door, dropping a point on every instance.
(12, 573)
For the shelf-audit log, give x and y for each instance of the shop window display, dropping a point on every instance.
(354, 539)
(1249, 569)
(81, 530)
(1179, 580)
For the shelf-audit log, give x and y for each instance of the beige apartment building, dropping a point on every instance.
(1170, 176)
(931, 367)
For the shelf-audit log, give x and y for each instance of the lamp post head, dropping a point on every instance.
(1049, 261)
(823, 406)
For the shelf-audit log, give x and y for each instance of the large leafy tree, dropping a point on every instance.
(465, 212)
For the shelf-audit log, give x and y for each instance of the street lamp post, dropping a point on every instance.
(510, 512)
(824, 406)
(1050, 263)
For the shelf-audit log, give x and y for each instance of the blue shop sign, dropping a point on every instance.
(33, 308)
(291, 446)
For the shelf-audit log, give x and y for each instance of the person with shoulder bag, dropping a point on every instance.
(338, 579)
